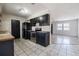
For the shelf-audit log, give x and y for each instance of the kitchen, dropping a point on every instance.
(9, 32)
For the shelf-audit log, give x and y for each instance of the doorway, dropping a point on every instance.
(15, 28)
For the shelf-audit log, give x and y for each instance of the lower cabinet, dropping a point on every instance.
(42, 38)
(7, 48)
(27, 34)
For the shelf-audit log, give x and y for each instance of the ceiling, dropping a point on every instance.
(14, 8)
(63, 11)
(58, 11)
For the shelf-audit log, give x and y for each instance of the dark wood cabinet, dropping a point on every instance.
(26, 27)
(33, 22)
(43, 20)
(42, 38)
(27, 34)
(7, 48)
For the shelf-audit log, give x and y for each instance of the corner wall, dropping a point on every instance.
(6, 22)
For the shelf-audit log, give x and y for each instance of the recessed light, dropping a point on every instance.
(41, 18)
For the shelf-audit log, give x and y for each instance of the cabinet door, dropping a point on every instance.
(27, 34)
(23, 33)
(42, 39)
(7, 48)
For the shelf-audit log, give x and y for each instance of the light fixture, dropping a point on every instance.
(23, 10)
(40, 18)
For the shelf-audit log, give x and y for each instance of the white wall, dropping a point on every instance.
(6, 22)
(78, 28)
(0, 9)
(73, 28)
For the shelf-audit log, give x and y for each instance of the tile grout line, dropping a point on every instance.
(58, 50)
(21, 48)
(66, 50)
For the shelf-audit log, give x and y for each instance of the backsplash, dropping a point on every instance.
(44, 28)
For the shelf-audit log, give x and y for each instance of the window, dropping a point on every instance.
(59, 26)
(66, 26)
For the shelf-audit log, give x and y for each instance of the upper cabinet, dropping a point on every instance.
(43, 20)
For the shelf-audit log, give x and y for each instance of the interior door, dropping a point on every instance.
(15, 28)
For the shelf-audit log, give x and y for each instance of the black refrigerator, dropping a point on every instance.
(26, 28)
(15, 28)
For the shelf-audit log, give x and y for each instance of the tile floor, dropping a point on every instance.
(60, 46)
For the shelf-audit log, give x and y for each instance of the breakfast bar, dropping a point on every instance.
(6, 45)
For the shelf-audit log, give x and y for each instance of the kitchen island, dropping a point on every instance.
(6, 44)
(39, 37)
